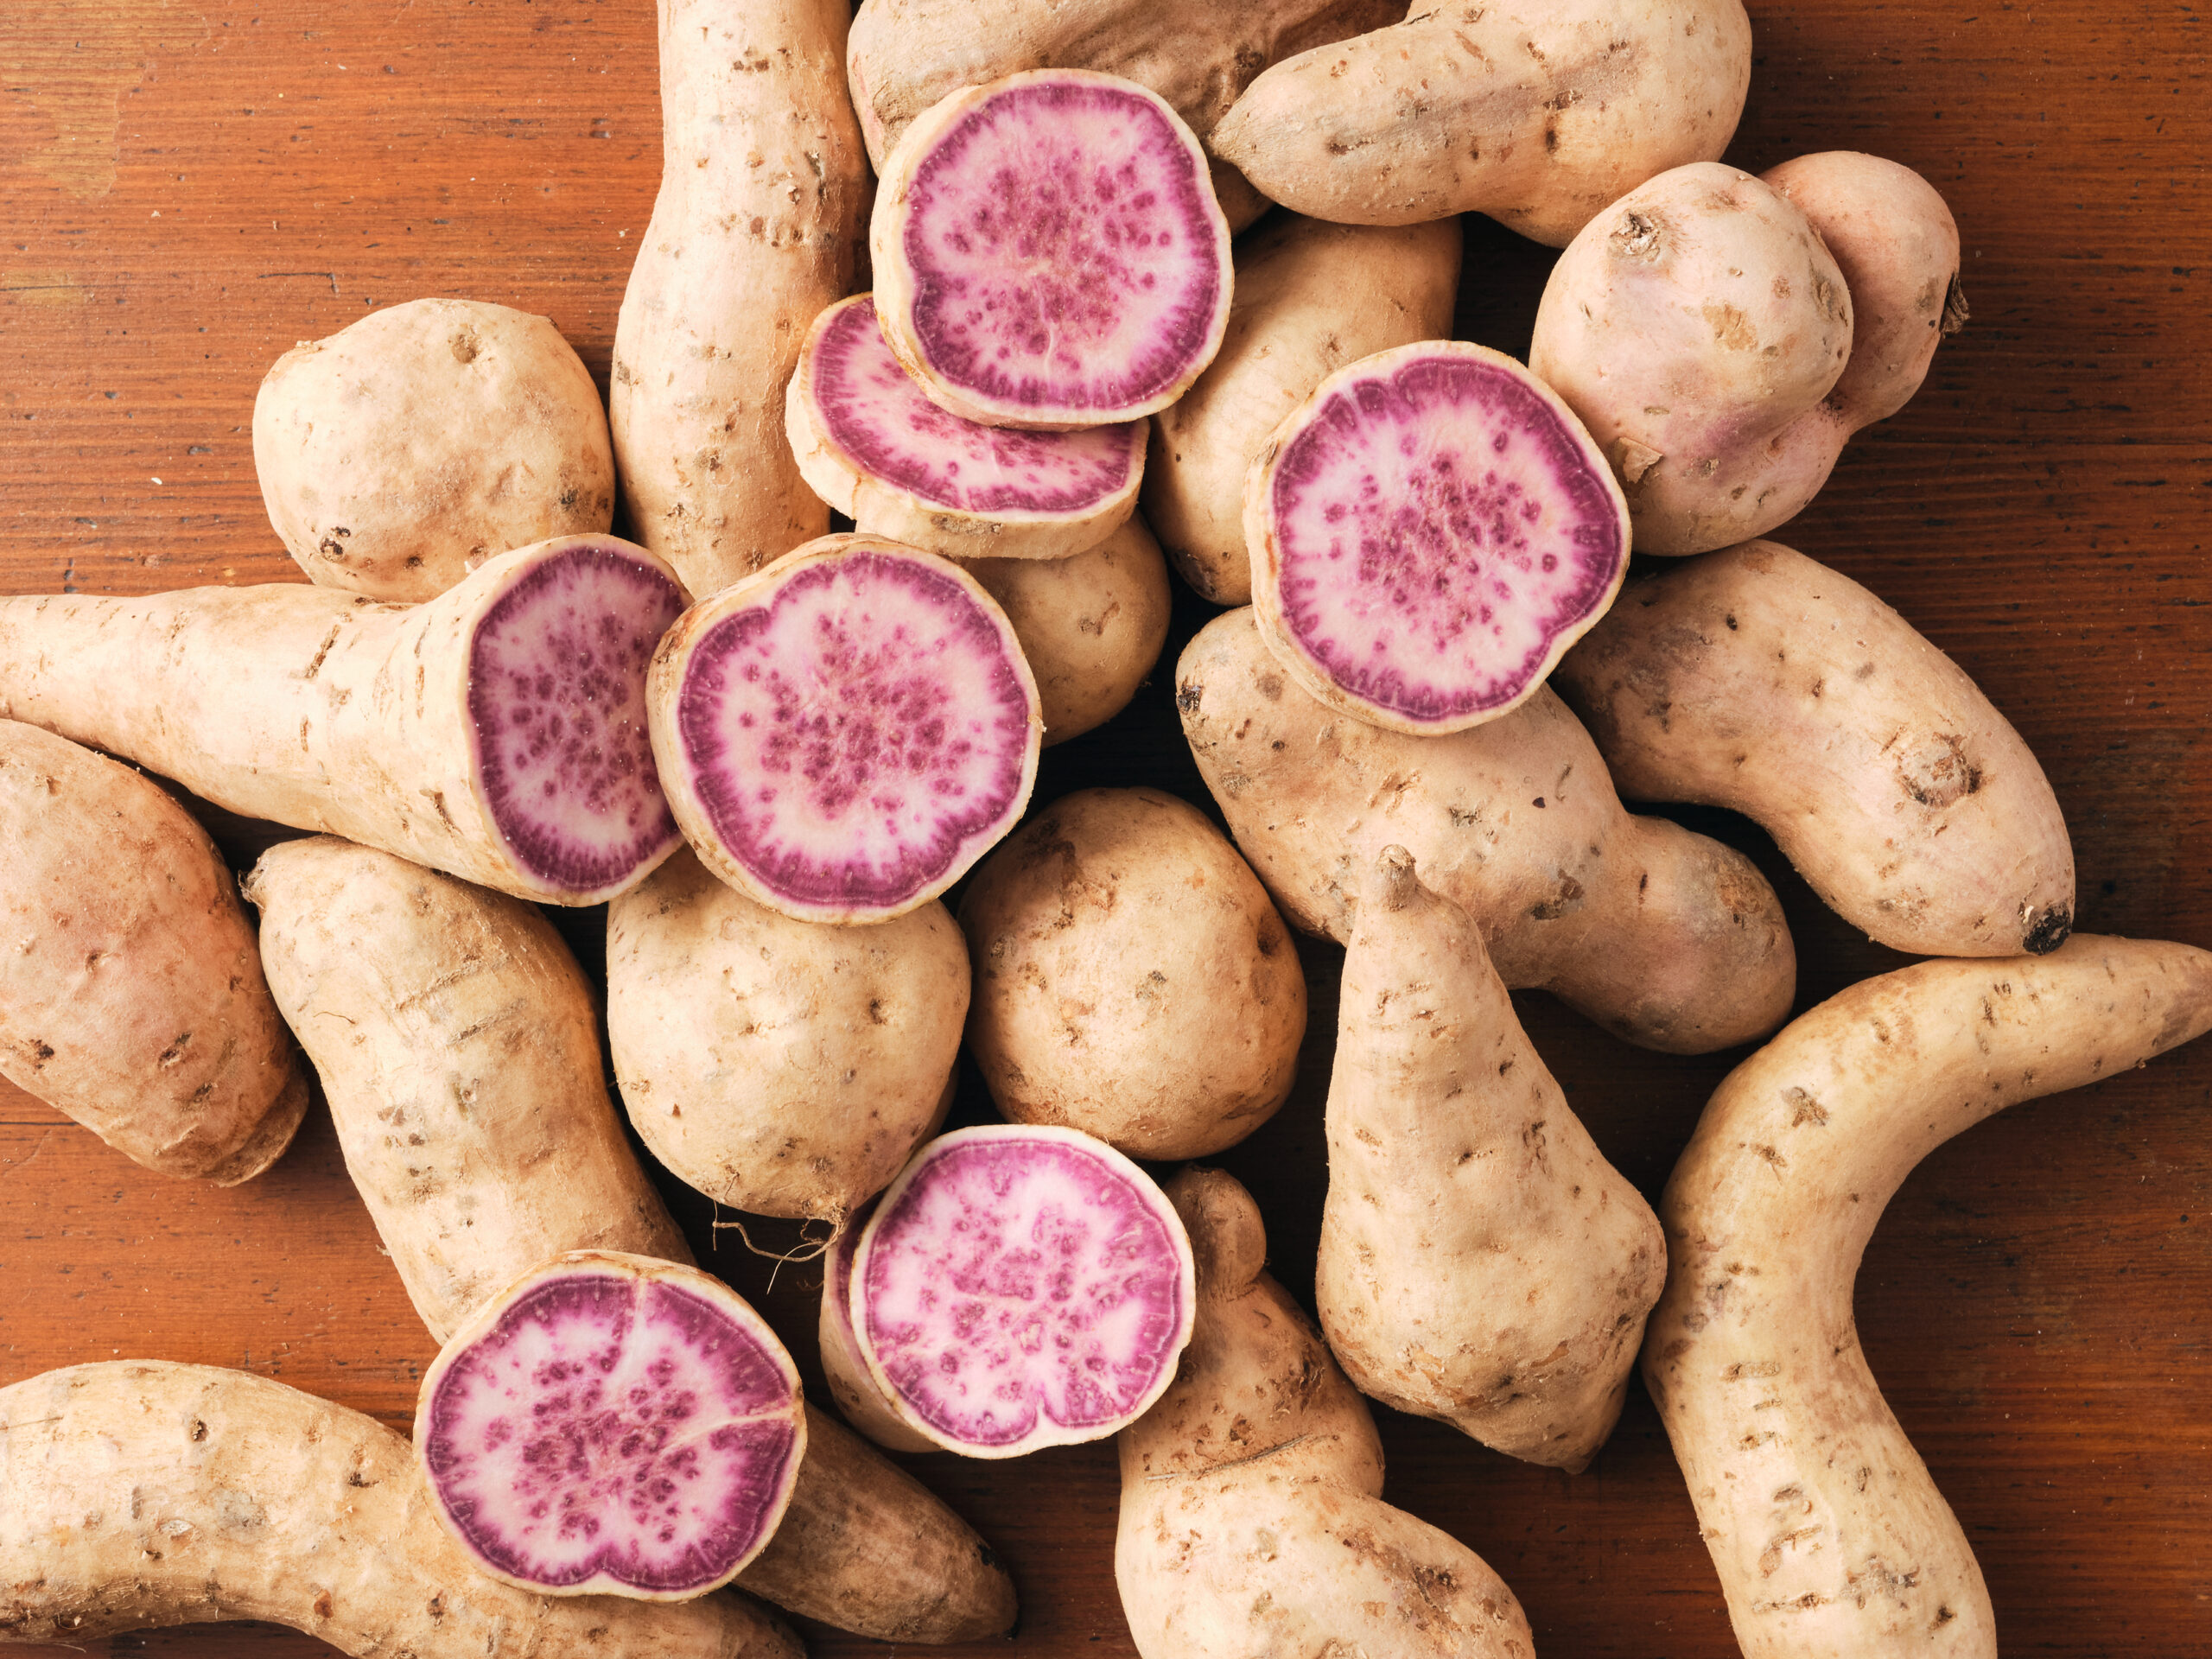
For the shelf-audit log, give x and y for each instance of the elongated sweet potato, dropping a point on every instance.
(1310, 297)
(456, 1039)
(137, 1493)
(1536, 113)
(905, 55)
(1827, 1533)
(458, 1047)
(1481, 1262)
(1757, 679)
(1665, 937)
(763, 194)
(496, 732)
(131, 995)
(1252, 1514)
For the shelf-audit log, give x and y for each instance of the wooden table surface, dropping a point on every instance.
(188, 187)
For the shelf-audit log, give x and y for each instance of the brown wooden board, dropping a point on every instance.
(189, 187)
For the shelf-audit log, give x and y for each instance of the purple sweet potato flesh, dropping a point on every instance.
(859, 731)
(872, 408)
(557, 697)
(1441, 525)
(1021, 1288)
(605, 1425)
(1065, 249)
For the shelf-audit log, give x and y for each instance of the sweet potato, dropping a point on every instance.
(1091, 625)
(1535, 114)
(1132, 979)
(136, 1493)
(458, 1045)
(410, 446)
(131, 995)
(456, 1037)
(763, 193)
(1048, 252)
(1723, 336)
(842, 735)
(1310, 297)
(1430, 531)
(1758, 680)
(782, 1067)
(1828, 1534)
(496, 732)
(1481, 1262)
(1663, 937)
(873, 446)
(1252, 1514)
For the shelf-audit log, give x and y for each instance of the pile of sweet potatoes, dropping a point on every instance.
(1143, 293)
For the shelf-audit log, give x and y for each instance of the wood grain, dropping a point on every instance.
(188, 187)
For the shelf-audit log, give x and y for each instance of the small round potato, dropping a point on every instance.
(1132, 978)
(403, 451)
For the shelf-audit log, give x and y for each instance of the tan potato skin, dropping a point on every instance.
(905, 55)
(305, 706)
(1310, 297)
(764, 189)
(1132, 979)
(1481, 1262)
(137, 1493)
(1831, 1540)
(1758, 680)
(782, 1067)
(1091, 625)
(410, 446)
(1665, 937)
(1252, 1523)
(897, 1577)
(1724, 336)
(1535, 114)
(458, 1046)
(131, 995)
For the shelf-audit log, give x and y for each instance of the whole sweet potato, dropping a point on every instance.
(130, 990)
(1537, 113)
(1665, 937)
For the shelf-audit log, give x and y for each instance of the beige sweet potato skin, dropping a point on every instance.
(412, 446)
(1831, 1540)
(1759, 680)
(131, 995)
(137, 1493)
(907, 1568)
(782, 1067)
(1665, 937)
(1706, 328)
(905, 55)
(1132, 978)
(1310, 297)
(1535, 114)
(1480, 1262)
(1091, 625)
(458, 1045)
(324, 710)
(763, 194)
(1252, 1523)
